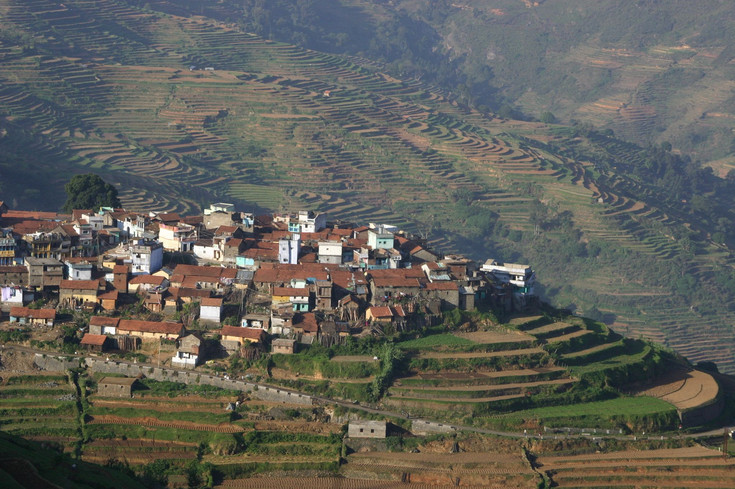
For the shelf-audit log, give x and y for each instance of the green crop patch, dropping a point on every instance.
(436, 341)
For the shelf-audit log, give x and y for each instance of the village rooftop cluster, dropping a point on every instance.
(270, 281)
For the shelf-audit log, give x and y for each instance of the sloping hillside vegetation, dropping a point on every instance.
(178, 110)
(650, 71)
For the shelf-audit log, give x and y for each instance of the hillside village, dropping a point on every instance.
(250, 282)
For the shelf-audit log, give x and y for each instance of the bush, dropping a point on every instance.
(223, 444)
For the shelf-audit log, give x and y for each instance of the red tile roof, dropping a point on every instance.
(398, 272)
(290, 292)
(255, 334)
(442, 285)
(212, 302)
(284, 273)
(178, 292)
(103, 321)
(234, 243)
(198, 270)
(93, 339)
(26, 312)
(381, 312)
(165, 327)
(191, 281)
(112, 295)
(79, 284)
(147, 279)
(13, 269)
(306, 321)
(30, 214)
(396, 282)
(225, 230)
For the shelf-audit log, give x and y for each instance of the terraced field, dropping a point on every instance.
(676, 468)
(126, 92)
(460, 469)
(42, 408)
(468, 370)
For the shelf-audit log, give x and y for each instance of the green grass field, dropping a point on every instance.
(434, 341)
(626, 412)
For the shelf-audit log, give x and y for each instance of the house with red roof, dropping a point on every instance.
(210, 309)
(233, 337)
(95, 342)
(150, 330)
(26, 315)
(103, 325)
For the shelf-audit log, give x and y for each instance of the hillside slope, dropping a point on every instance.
(181, 110)
(651, 71)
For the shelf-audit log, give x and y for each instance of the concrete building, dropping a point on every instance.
(520, 276)
(380, 238)
(210, 309)
(103, 325)
(116, 387)
(188, 353)
(289, 249)
(74, 293)
(8, 247)
(146, 257)
(284, 346)
(367, 429)
(79, 271)
(44, 272)
(330, 252)
(177, 237)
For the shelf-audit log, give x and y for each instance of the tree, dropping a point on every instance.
(89, 191)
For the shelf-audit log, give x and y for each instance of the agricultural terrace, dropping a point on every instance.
(41, 407)
(684, 389)
(167, 424)
(473, 469)
(28, 463)
(124, 91)
(694, 467)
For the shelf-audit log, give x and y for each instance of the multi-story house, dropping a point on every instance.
(177, 237)
(8, 247)
(146, 257)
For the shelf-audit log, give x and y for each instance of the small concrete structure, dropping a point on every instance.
(367, 429)
(116, 387)
(284, 346)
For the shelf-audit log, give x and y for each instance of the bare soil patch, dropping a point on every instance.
(685, 390)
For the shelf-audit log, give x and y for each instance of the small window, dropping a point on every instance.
(372, 431)
(361, 430)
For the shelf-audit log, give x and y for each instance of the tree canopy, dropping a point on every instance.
(89, 191)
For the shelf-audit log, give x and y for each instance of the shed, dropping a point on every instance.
(284, 345)
(95, 342)
(367, 429)
(116, 387)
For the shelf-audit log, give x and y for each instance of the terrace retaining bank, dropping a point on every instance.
(264, 393)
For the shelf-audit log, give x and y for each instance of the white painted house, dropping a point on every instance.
(210, 309)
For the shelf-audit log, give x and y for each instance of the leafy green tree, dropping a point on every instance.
(548, 118)
(89, 191)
